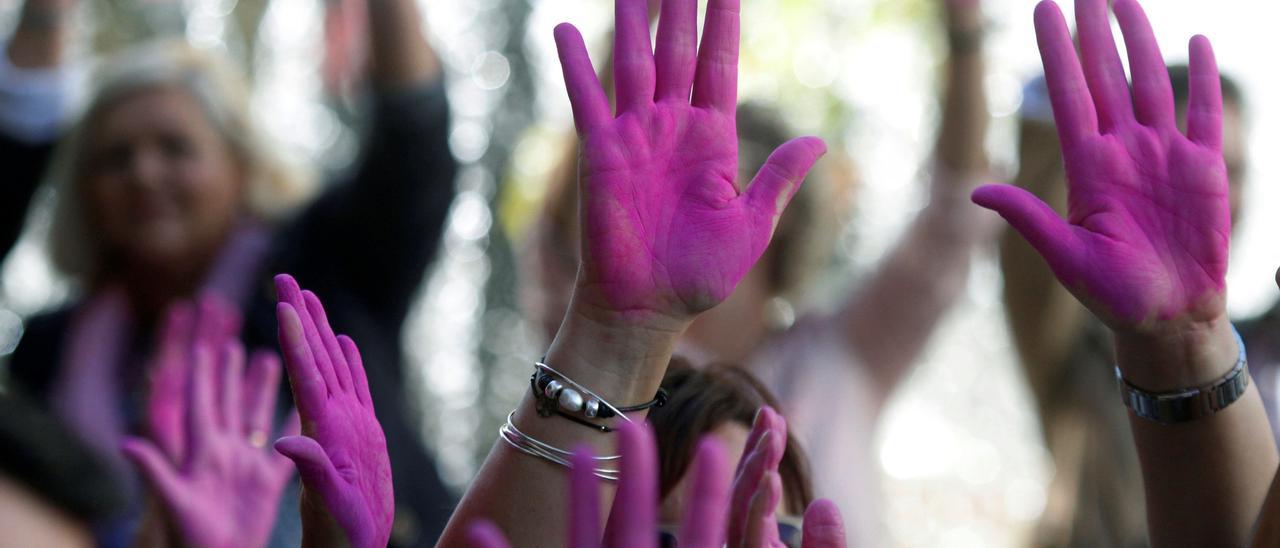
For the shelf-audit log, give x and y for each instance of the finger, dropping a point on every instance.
(1073, 110)
(634, 517)
(745, 485)
(315, 469)
(823, 527)
(716, 80)
(218, 320)
(759, 425)
(159, 472)
(1102, 67)
(590, 106)
(1204, 101)
(778, 426)
(633, 71)
(708, 498)
(309, 392)
(1039, 224)
(359, 379)
(291, 426)
(1152, 93)
(167, 402)
(777, 182)
(584, 501)
(761, 520)
(484, 534)
(202, 414)
(232, 400)
(676, 52)
(288, 291)
(262, 385)
(330, 342)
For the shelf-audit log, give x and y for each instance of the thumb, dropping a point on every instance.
(1039, 224)
(315, 469)
(484, 534)
(159, 472)
(823, 526)
(779, 179)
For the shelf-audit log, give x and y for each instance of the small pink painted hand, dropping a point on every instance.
(757, 491)
(226, 489)
(667, 230)
(211, 322)
(1148, 224)
(342, 454)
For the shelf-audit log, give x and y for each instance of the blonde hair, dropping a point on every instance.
(272, 187)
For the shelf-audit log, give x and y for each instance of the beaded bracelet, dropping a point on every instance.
(558, 394)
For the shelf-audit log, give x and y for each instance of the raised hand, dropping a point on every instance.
(667, 230)
(211, 322)
(225, 489)
(1146, 236)
(757, 490)
(342, 452)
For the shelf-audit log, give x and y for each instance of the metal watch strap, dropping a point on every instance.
(1191, 403)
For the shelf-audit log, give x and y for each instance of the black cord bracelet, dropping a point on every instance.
(557, 399)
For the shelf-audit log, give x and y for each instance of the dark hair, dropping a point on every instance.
(701, 400)
(1180, 80)
(37, 452)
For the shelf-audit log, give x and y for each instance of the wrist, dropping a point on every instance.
(1183, 356)
(622, 361)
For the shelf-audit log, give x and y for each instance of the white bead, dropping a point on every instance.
(553, 389)
(593, 408)
(570, 400)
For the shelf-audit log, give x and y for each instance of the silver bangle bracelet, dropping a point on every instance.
(537, 448)
(1188, 404)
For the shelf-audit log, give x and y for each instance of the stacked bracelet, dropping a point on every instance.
(534, 447)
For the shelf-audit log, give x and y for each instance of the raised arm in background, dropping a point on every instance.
(666, 236)
(1145, 247)
(32, 97)
(891, 318)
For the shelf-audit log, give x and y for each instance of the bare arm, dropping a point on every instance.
(40, 40)
(400, 55)
(892, 316)
(1044, 319)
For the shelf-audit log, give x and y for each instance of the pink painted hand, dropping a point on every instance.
(709, 509)
(667, 230)
(211, 322)
(342, 454)
(757, 491)
(226, 489)
(1145, 242)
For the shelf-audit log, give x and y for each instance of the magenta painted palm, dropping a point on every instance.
(212, 322)
(667, 228)
(342, 452)
(1148, 225)
(225, 489)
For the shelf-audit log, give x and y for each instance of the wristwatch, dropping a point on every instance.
(1188, 404)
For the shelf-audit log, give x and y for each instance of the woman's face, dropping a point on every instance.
(162, 186)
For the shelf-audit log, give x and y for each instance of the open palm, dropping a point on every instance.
(667, 230)
(342, 452)
(224, 490)
(1149, 223)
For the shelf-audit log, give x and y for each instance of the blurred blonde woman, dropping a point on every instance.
(164, 191)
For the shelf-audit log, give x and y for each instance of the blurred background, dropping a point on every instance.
(961, 453)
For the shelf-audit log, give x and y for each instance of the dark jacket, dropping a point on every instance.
(363, 247)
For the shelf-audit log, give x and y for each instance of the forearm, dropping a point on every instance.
(1205, 480)
(625, 366)
(961, 146)
(892, 316)
(40, 40)
(399, 53)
